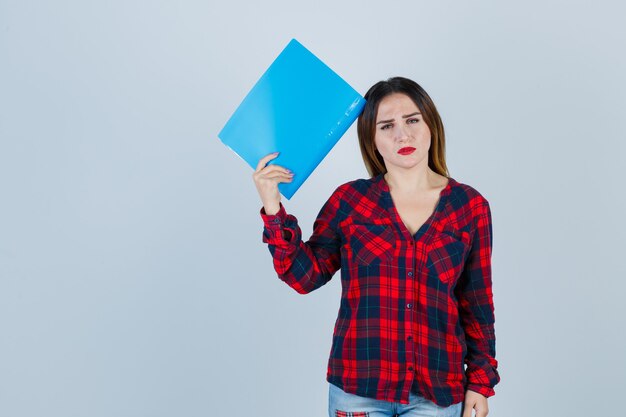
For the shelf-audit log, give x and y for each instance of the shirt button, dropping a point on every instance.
(410, 273)
(410, 368)
(409, 305)
(409, 338)
(277, 221)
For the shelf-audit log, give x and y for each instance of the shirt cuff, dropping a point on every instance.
(278, 227)
(273, 221)
(481, 389)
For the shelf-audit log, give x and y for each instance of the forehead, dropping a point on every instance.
(395, 105)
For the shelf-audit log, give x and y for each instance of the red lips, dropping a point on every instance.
(406, 151)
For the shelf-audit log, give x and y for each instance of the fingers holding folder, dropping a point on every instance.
(266, 178)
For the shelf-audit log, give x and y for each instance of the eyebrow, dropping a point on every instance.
(404, 117)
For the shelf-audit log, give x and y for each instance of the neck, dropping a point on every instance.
(410, 181)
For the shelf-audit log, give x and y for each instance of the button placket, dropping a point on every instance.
(411, 250)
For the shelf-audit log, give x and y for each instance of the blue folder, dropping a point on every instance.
(300, 108)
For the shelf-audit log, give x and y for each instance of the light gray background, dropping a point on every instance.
(133, 279)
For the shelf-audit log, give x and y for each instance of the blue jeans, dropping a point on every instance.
(343, 404)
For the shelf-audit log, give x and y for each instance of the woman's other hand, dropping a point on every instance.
(266, 178)
(477, 402)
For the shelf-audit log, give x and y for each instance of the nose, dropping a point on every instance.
(400, 132)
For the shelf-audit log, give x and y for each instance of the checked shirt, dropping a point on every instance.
(416, 311)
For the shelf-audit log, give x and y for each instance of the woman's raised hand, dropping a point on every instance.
(266, 178)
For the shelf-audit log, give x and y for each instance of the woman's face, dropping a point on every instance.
(402, 137)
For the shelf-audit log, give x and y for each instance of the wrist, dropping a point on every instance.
(271, 208)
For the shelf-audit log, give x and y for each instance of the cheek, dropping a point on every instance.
(423, 137)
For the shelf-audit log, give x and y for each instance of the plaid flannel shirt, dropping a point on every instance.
(416, 312)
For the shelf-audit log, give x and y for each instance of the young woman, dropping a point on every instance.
(414, 334)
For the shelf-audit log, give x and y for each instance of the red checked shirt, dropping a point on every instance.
(415, 310)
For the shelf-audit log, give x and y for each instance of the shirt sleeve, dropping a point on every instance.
(304, 266)
(476, 308)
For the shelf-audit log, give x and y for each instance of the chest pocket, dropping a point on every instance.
(371, 243)
(447, 253)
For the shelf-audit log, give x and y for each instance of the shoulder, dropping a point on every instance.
(344, 199)
(354, 196)
(360, 186)
(462, 194)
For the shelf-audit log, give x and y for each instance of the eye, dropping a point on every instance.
(412, 121)
(385, 127)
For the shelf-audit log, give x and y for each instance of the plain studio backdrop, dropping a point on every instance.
(133, 278)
